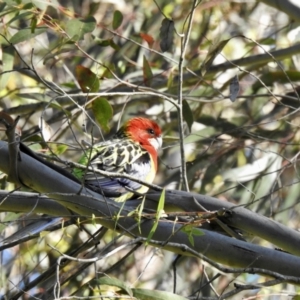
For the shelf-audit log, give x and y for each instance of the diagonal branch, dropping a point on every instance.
(168, 235)
(288, 6)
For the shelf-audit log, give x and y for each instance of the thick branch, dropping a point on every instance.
(31, 202)
(216, 247)
(237, 217)
(287, 6)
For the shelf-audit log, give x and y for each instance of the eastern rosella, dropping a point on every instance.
(131, 151)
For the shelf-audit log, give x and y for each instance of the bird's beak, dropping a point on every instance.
(159, 141)
(156, 142)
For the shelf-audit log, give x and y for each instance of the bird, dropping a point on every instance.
(133, 150)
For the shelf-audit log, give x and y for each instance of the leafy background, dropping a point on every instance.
(75, 70)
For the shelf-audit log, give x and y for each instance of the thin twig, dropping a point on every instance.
(13, 145)
(184, 42)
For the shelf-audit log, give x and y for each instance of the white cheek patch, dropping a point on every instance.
(156, 143)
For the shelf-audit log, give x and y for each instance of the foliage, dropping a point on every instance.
(223, 84)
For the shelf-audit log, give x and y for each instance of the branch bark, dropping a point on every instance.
(287, 6)
(247, 221)
(216, 247)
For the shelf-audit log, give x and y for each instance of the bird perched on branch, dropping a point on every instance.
(132, 151)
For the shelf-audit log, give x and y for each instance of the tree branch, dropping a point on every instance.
(237, 217)
(286, 6)
(216, 247)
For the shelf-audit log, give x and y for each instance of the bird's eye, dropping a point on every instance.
(151, 131)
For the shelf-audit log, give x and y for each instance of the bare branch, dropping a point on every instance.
(214, 246)
(184, 43)
(287, 6)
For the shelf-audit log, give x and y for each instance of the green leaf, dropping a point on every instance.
(88, 80)
(34, 138)
(212, 55)
(29, 6)
(143, 294)
(77, 28)
(7, 11)
(110, 281)
(170, 81)
(8, 52)
(117, 19)
(9, 217)
(26, 34)
(107, 43)
(147, 72)
(42, 5)
(277, 76)
(187, 114)
(20, 16)
(102, 43)
(166, 34)
(93, 8)
(161, 205)
(114, 45)
(140, 213)
(192, 231)
(60, 149)
(84, 160)
(263, 41)
(33, 24)
(35, 96)
(159, 213)
(200, 135)
(103, 112)
(108, 71)
(2, 6)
